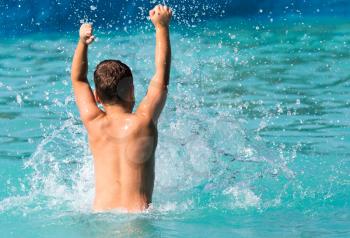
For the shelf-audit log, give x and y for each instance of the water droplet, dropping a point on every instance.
(19, 99)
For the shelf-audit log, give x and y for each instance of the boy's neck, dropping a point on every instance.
(116, 109)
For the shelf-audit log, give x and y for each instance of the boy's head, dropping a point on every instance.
(114, 83)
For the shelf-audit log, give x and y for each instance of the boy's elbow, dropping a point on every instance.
(78, 78)
(160, 81)
(73, 74)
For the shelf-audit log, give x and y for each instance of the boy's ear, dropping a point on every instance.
(97, 98)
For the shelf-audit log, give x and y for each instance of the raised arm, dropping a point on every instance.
(84, 96)
(154, 101)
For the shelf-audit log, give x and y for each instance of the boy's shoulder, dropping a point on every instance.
(129, 122)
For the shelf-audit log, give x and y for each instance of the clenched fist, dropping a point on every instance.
(86, 34)
(160, 16)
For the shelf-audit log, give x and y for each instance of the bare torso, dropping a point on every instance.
(123, 149)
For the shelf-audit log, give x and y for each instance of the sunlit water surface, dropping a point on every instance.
(254, 140)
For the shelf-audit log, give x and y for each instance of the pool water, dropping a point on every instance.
(254, 140)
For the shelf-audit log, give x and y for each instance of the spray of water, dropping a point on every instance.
(203, 147)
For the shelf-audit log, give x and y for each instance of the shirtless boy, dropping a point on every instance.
(122, 142)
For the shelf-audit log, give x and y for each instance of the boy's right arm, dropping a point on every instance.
(154, 101)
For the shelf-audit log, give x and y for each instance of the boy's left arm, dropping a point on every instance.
(84, 96)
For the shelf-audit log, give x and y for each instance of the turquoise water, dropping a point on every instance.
(254, 141)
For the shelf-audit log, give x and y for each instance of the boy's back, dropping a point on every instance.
(123, 150)
(123, 143)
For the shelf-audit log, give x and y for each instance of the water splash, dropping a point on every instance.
(203, 147)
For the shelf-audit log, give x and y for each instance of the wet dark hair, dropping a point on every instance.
(107, 76)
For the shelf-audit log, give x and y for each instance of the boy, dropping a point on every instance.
(123, 143)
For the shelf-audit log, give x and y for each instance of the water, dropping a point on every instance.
(254, 140)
